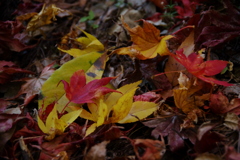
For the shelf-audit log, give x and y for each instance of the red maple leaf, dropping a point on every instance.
(195, 64)
(78, 91)
(187, 10)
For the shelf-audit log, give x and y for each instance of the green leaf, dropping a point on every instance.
(224, 70)
(91, 15)
(84, 19)
(52, 92)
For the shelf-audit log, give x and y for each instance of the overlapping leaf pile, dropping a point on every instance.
(150, 94)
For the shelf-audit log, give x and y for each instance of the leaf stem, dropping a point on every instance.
(166, 73)
(65, 107)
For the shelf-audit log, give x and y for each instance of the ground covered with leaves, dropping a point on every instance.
(120, 79)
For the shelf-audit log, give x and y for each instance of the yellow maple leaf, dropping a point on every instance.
(147, 42)
(88, 44)
(56, 126)
(118, 108)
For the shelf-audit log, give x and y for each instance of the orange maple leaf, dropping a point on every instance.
(147, 42)
(195, 64)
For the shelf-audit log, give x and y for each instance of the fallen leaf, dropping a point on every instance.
(44, 17)
(7, 69)
(88, 44)
(160, 4)
(220, 104)
(188, 47)
(187, 10)
(97, 152)
(201, 69)
(213, 27)
(148, 96)
(231, 121)
(3, 105)
(10, 31)
(147, 43)
(33, 86)
(231, 153)
(184, 96)
(78, 91)
(207, 139)
(55, 125)
(208, 156)
(51, 92)
(170, 128)
(117, 108)
(153, 149)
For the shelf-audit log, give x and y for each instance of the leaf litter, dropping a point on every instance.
(115, 79)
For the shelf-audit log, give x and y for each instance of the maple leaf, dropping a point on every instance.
(10, 31)
(78, 91)
(184, 96)
(170, 128)
(195, 64)
(7, 69)
(117, 108)
(188, 9)
(55, 125)
(213, 27)
(88, 44)
(146, 42)
(33, 86)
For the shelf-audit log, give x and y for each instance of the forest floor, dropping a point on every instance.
(120, 79)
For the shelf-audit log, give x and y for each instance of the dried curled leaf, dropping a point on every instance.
(231, 121)
(44, 17)
(184, 95)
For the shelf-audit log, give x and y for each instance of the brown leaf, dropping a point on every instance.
(9, 33)
(7, 69)
(208, 156)
(207, 139)
(170, 128)
(33, 86)
(154, 149)
(97, 152)
(220, 104)
(184, 96)
(45, 17)
(231, 121)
